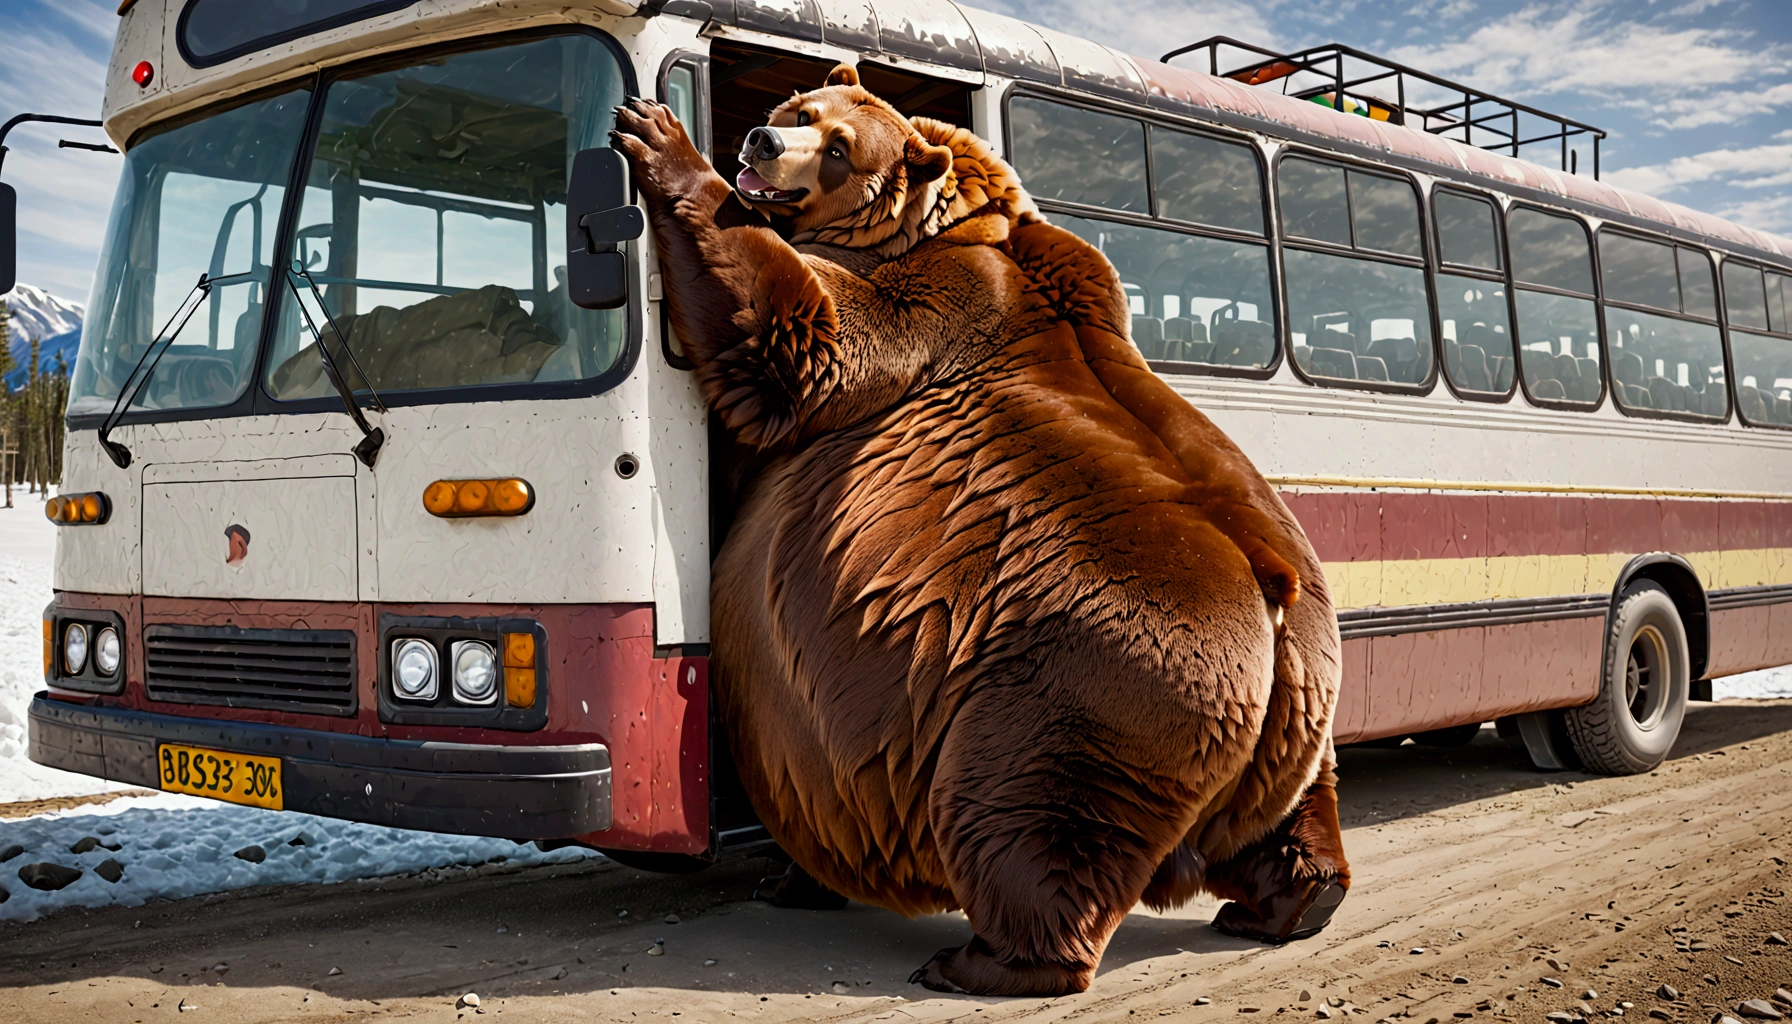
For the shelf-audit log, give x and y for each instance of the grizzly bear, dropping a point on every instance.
(1001, 623)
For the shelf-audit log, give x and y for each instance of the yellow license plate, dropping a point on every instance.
(221, 775)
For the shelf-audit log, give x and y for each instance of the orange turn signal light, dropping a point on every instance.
(78, 509)
(519, 687)
(452, 499)
(519, 650)
(519, 670)
(49, 646)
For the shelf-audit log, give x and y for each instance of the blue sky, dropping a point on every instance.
(1696, 94)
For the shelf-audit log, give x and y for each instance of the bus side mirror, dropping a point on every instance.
(9, 238)
(598, 217)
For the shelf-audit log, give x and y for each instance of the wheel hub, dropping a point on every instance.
(1645, 676)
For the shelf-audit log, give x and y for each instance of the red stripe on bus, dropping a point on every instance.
(1378, 526)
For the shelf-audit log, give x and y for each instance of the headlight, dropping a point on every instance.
(105, 651)
(74, 649)
(414, 669)
(475, 671)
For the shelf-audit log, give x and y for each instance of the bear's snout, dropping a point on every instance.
(763, 144)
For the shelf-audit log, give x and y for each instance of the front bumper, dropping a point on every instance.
(514, 792)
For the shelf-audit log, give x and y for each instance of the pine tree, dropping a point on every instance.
(56, 408)
(32, 442)
(9, 434)
(7, 362)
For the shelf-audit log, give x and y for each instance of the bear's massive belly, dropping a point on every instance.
(1014, 548)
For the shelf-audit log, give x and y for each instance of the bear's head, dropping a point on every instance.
(841, 167)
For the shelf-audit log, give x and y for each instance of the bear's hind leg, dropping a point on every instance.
(1288, 884)
(1044, 892)
(797, 889)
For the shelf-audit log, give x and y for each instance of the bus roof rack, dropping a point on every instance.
(1336, 76)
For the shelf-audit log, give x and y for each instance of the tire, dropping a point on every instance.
(1633, 723)
(1454, 736)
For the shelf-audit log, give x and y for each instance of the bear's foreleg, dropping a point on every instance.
(750, 313)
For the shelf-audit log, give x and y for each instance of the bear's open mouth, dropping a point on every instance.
(756, 189)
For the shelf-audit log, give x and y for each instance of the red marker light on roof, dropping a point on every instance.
(143, 73)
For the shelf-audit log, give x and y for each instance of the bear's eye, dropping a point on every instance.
(802, 119)
(834, 151)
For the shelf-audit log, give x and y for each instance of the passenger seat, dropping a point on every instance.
(1667, 395)
(1148, 335)
(1337, 363)
(1399, 355)
(1471, 368)
(1755, 406)
(1181, 334)
(1242, 343)
(1500, 368)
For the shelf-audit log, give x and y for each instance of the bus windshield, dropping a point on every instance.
(201, 198)
(431, 224)
(432, 221)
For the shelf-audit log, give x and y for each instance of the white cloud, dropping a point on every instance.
(1692, 7)
(1754, 168)
(1439, 10)
(1678, 73)
(1766, 213)
(1146, 28)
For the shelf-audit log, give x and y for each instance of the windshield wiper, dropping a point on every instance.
(372, 437)
(121, 456)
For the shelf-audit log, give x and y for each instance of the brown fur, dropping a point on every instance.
(996, 626)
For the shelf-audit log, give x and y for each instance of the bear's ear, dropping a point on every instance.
(926, 162)
(843, 74)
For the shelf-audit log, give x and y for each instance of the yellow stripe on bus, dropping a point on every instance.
(1388, 483)
(1419, 581)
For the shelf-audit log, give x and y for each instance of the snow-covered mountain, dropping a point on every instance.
(53, 322)
(36, 314)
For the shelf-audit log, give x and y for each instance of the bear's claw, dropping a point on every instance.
(1296, 913)
(929, 975)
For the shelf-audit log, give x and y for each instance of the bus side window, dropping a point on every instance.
(1663, 360)
(1760, 308)
(1198, 281)
(1207, 181)
(1073, 155)
(1558, 322)
(1358, 306)
(1745, 296)
(1472, 302)
(1194, 299)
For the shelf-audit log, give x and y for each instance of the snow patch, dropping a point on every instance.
(1765, 684)
(27, 547)
(175, 846)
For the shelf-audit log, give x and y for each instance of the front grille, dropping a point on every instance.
(307, 670)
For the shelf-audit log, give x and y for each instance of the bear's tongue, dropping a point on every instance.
(750, 180)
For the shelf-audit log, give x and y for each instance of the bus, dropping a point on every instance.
(389, 495)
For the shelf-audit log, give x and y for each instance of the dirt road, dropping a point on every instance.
(1473, 872)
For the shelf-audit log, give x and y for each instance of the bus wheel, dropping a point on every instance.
(658, 863)
(1633, 723)
(1454, 736)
